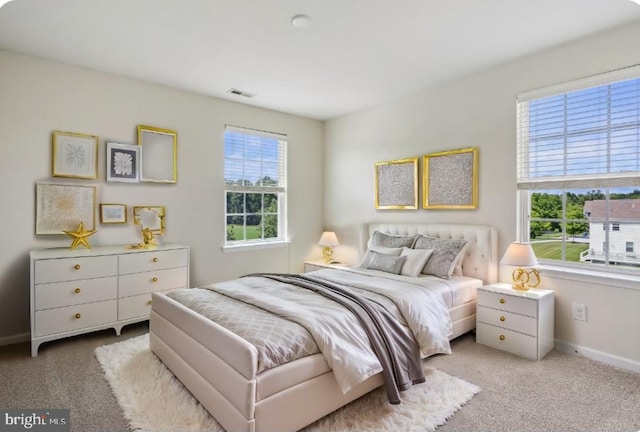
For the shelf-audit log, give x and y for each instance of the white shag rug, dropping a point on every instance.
(153, 400)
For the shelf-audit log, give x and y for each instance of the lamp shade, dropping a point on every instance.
(519, 254)
(328, 239)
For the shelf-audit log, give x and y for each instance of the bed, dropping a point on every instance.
(222, 370)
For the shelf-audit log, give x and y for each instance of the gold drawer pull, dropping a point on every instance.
(154, 280)
(77, 290)
(502, 300)
(149, 302)
(502, 318)
(77, 316)
(155, 259)
(502, 337)
(77, 266)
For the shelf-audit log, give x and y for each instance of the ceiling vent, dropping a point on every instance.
(240, 93)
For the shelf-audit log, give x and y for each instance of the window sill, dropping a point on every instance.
(619, 280)
(254, 246)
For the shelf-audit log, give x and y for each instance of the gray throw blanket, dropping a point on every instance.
(395, 347)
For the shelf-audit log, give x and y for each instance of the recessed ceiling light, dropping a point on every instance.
(303, 21)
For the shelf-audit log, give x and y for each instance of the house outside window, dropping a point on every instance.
(579, 171)
(255, 167)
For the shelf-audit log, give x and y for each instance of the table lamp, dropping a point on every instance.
(521, 255)
(328, 240)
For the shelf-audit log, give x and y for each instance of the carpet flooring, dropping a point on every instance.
(154, 400)
(562, 392)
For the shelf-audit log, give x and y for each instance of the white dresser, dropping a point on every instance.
(520, 322)
(80, 291)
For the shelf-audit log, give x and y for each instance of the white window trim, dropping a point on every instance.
(241, 247)
(606, 278)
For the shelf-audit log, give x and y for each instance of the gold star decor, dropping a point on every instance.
(80, 237)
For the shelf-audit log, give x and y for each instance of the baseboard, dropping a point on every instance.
(599, 356)
(10, 340)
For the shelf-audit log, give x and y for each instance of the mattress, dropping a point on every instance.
(279, 341)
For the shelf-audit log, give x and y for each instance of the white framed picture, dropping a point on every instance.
(123, 162)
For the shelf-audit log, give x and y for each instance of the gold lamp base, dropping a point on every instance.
(327, 254)
(522, 278)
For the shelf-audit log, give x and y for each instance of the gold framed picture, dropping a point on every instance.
(396, 184)
(159, 154)
(450, 179)
(61, 207)
(152, 217)
(113, 214)
(74, 155)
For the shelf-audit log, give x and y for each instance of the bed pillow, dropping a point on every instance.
(416, 260)
(446, 254)
(457, 269)
(386, 263)
(392, 241)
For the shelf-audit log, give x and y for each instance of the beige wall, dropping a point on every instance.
(479, 111)
(37, 97)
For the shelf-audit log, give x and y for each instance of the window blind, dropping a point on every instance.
(255, 160)
(587, 136)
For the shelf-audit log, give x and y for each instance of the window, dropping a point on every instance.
(255, 167)
(629, 247)
(579, 169)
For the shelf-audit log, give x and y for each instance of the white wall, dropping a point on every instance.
(37, 97)
(479, 111)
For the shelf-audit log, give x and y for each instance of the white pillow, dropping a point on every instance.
(416, 260)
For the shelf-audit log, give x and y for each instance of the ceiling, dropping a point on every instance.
(356, 53)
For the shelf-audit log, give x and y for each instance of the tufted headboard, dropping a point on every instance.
(481, 256)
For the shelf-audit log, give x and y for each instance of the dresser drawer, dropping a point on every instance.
(134, 306)
(160, 280)
(508, 320)
(156, 260)
(506, 340)
(508, 303)
(76, 317)
(58, 294)
(68, 269)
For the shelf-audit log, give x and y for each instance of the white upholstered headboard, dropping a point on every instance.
(481, 256)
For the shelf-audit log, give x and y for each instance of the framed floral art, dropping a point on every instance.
(123, 162)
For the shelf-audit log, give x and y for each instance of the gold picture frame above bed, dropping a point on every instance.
(396, 184)
(450, 179)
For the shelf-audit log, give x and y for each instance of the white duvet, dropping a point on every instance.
(336, 331)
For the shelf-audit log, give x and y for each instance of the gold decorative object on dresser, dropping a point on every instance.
(79, 291)
(520, 322)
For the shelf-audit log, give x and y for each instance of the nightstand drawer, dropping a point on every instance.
(508, 303)
(53, 295)
(67, 269)
(76, 317)
(506, 340)
(508, 320)
(156, 260)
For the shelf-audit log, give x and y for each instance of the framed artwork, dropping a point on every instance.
(113, 213)
(450, 179)
(61, 207)
(159, 153)
(152, 217)
(74, 155)
(123, 162)
(396, 184)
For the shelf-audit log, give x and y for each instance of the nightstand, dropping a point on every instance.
(310, 266)
(519, 322)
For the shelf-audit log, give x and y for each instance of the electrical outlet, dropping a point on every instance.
(579, 311)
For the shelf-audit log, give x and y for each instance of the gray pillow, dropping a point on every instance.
(446, 254)
(386, 263)
(391, 241)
